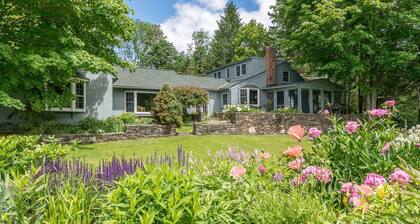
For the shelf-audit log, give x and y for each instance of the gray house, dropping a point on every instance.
(266, 83)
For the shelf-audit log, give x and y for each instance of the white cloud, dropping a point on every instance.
(204, 14)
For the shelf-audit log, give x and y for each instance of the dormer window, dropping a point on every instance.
(228, 73)
(243, 69)
(286, 77)
(238, 70)
(215, 75)
(219, 75)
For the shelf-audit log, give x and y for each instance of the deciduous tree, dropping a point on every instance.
(251, 40)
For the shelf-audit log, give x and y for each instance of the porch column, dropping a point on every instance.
(311, 101)
(299, 98)
(274, 100)
(332, 99)
(286, 98)
(322, 100)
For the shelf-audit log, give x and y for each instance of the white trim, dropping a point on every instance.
(248, 96)
(73, 108)
(135, 102)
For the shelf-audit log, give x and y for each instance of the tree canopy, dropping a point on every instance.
(251, 40)
(370, 45)
(198, 52)
(45, 43)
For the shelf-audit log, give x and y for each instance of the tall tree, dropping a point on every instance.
(198, 52)
(45, 43)
(251, 40)
(150, 48)
(370, 45)
(222, 49)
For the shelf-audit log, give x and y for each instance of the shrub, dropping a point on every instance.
(167, 109)
(287, 110)
(127, 118)
(240, 108)
(190, 96)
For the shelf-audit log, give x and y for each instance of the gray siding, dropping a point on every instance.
(253, 67)
(215, 103)
(285, 67)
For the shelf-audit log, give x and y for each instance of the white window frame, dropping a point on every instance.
(288, 77)
(248, 96)
(73, 102)
(227, 99)
(135, 101)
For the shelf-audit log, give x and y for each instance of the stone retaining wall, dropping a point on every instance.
(217, 129)
(132, 132)
(265, 123)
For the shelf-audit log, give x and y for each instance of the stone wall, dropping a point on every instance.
(132, 132)
(217, 129)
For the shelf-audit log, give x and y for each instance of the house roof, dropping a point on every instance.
(154, 79)
(234, 63)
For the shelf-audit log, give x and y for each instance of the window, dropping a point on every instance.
(270, 101)
(219, 75)
(228, 73)
(78, 89)
(338, 98)
(238, 70)
(225, 99)
(244, 69)
(327, 98)
(293, 98)
(215, 75)
(139, 102)
(286, 77)
(305, 100)
(249, 96)
(280, 99)
(316, 101)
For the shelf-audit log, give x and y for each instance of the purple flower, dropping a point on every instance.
(347, 187)
(352, 126)
(378, 112)
(400, 176)
(323, 175)
(314, 133)
(277, 177)
(385, 149)
(374, 180)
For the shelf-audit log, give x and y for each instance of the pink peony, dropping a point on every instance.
(356, 201)
(314, 133)
(365, 189)
(297, 132)
(309, 170)
(347, 187)
(323, 175)
(374, 180)
(418, 145)
(237, 172)
(390, 103)
(378, 112)
(296, 164)
(277, 177)
(352, 126)
(327, 112)
(298, 180)
(261, 169)
(385, 149)
(293, 152)
(400, 176)
(266, 155)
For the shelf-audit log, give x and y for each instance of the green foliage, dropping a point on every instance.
(408, 112)
(251, 41)
(19, 153)
(127, 118)
(190, 96)
(167, 109)
(353, 156)
(287, 110)
(7, 101)
(222, 48)
(240, 108)
(44, 44)
(198, 52)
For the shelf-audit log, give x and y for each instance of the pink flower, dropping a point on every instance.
(314, 133)
(298, 180)
(378, 112)
(296, 164)
(293, 152)
(323, 175)
(297, 132)
(385, 149)
(390, 103)
(237, 172)
(266, 155)
(277, 177)
(327, 112)
(352, 126)
(347, 187)
(261, 169)
(355, 200)
(365, 189)
(400, 176)
(374, 180)
(309, 170)
(418, 145)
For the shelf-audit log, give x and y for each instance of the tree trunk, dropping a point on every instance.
(360, 101)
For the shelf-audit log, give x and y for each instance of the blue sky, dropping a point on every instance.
(179, 18)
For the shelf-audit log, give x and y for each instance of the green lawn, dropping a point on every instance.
(198, 145)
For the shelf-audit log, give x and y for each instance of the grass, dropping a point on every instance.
(185, 129)
(199, 146)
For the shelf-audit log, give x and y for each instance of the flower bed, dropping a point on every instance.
(355, 173)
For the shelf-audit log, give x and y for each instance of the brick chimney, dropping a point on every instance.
(270, 64)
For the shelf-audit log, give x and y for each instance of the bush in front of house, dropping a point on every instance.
(240, 108)
(287, 110)
(167, 109)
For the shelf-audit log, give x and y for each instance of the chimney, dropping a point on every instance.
(270, 64)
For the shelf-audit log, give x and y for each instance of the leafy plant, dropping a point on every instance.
(167, 109)
(287, 110)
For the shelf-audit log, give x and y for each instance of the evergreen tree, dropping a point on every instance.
(222, 49)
